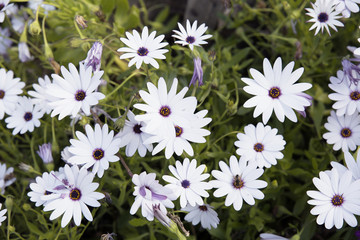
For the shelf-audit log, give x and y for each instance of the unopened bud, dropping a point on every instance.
(107, 236)
(119, 124)
(55, 65)
(212, 55)
(24, 167)
(80, 20)
(9, 202)
(35, 28)
(161, 216)
(26, 207)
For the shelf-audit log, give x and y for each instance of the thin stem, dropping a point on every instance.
(125, 166)
(57, 236)
(120, 85)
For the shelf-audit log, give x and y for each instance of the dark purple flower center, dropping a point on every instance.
(47, 192)
(137, 129)
(142, 51)
(203, 208)
(185, 184)
(190, 39)
(28, 116)
(1, 6)
(355, 95)
(178, 131)
(274, 92)
(98, 154)
(80, 95)
(345, 132)
(337, 200)
(258, 147)
(2, 94)
(75, 194)
(165, 111)
(238, 182)
(323, 17)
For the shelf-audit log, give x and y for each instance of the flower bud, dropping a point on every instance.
(80, 20)
(9, 203)
(26, 207)
(35, 28)
(93, 58)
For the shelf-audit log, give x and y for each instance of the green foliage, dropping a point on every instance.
(246, 35)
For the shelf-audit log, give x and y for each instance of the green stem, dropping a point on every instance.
(118, 87)
(57, 236)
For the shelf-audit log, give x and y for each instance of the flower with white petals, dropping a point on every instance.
(192, 36)
(347, 95)
(65, 154)
(337, 199)
(277, 91)
(351, 165)
(43, 185)
(145, 48)
(164, 109)
(149, 192)
(76, 192)
(10, 88)
(344, 131)
(95, 149)
(179, 142)
(133, 138)
(188, 182)
(5, 41)
(25, 117)
(2, 213)
(346, 7)
(74, 91)
(4, 5)
(34, 4)
(260, 144)
(7, 177)
(45, 153)
(323, 14)
(41, 96)
(238, 181)
(204, 214)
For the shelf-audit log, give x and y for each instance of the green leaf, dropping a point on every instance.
(138, 222)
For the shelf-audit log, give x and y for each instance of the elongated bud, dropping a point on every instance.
(9, 203)
(80, 20)
(93, 58)
(35, 28)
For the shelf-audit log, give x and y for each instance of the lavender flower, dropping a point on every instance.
(24, 53)
(198, 72)
(351, 71)
(45, 153)
(93, 58)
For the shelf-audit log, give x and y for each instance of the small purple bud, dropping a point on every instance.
(351, 71)
(93, 58)
(198, 72)
(45, 153)
(161, 216)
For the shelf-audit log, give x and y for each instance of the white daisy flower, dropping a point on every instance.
(277, 91)
(352, 165)
(192, 36)
(65, 154)
(336, 200)
(25, 117)
(204, 214)
(270, 236)
(41, 96)
(7, 177)
(346, 7)
(2, 213)
(44, 185)
(133, 138)
(80, 192)
(74, 91)
(347, 95)
(323, 14)
(164, 109)
(148, 192)
(95, 149)
(179, 142)
(10, 88)
(260, 144)
(344, 131)
(239, 182)
(145, 48)
(188, 182)
(5, 41)
(4, 5)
